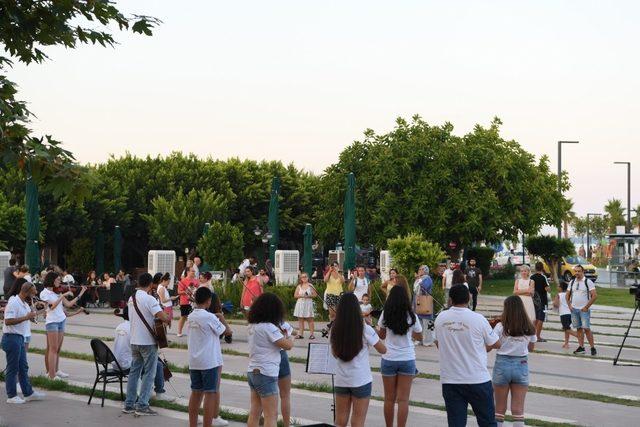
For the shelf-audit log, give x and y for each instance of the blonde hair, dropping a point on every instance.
(525, 267)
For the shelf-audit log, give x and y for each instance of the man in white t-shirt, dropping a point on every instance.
(447, 280)
(197, 262)
(463, 338)
(144, 350)
(580, 296)
(67, 278)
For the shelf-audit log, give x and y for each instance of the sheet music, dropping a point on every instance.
(320, 360)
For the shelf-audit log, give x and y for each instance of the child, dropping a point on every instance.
(205, 358)
(366, 308)
(304, 295)
(560, 301)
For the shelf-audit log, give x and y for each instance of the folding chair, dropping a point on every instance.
(103, 357)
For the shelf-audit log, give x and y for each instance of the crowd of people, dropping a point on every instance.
(407, 319)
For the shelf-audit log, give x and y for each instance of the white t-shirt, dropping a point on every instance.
(264, 354)
(15, 309)
(122, 345)
(197, 270)
(513, 346)
(204, 340)
(361, 287)
(57, 314)
(462, 336)
(357, 371)
(68, 279)
(366, 309)
(165, 294)
(400, 347)
(149, 307)
(563, 307)
(580, 294)
(448, 277)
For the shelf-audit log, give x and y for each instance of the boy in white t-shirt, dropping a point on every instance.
(205, 359)
(565, 313)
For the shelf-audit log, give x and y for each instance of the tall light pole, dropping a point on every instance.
(589, 235)
(560, 176)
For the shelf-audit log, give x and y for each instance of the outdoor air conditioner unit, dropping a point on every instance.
(385, 265)
(162, 262)
(337, 256)
(287, 267)
(4, 263)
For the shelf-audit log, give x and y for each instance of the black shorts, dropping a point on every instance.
(565, 319)
(185, 310)
(540, 314)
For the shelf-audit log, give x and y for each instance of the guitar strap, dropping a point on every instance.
(151, 331)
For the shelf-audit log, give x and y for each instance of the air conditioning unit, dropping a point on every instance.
(385, 264)
(162, 262)
(287, 267)
(337, 256)
(4, 263)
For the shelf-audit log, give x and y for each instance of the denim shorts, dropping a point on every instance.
(511, 370)
(55, 326)
(581, 319)
(285, 369)
(391, 368)
(362, 392)
(263, 385)
(205, 380)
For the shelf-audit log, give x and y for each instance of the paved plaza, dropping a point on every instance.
(558, 377)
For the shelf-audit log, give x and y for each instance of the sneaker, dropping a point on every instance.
(36, 395)
(62, 374)
(179, 335)
(593, 351)
(18, 388)
(16, 400)
(145, 412)
(163, 396)
(128, 410)
(57, 378)
(541, 340)
(579, 350)
(220, 422)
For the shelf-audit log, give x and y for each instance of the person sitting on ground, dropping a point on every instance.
(205, 359)
(463, 338)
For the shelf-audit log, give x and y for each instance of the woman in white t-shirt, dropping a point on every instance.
(350, 340)
(266, 339)
(55, 321)
(398, 325)
(511, 370)
(166, 300)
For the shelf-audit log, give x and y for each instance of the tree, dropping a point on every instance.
(614, 214)
(411, 251)
(483, 256)
(26, 29)
(636, 219)
(177, 223)
(551, 250)
(12, 225)
(579, 225)
(82, 256)
(222, 245)
(422, 178)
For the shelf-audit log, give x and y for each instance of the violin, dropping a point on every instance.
(494, 320)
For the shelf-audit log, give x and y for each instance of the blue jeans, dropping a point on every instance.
(457, 398)
(17, 366)
(158, 382)
(581, 319)
(143, 357)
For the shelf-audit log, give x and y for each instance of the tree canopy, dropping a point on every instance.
(551, 250)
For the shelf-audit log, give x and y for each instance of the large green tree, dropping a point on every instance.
(222, 246)
(551, 250)
(27, 28)
(423, 178)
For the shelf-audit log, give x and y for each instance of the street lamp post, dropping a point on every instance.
(560, 176)
(589, 235)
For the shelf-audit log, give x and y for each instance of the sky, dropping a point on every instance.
(299, 81)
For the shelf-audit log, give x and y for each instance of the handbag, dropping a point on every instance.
(537, 301)
(424, 305)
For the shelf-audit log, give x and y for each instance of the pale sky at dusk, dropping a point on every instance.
(299, 81)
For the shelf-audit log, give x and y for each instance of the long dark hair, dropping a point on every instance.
(348, 328)
(458, 277)
(49, 279)
(397, 310)
(267, 308)
(515, 322)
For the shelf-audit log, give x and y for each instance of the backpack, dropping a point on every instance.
(586, 283)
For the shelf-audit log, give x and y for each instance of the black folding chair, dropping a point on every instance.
(103, 296)
(103, 357)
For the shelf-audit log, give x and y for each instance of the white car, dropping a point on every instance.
(515, 258)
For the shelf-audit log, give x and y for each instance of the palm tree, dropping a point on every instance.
(635, 221)
(569, 217)
(614, 214)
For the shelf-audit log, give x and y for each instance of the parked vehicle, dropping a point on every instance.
(566, 268)
(511, 258)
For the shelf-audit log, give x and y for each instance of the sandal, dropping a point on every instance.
(299, 337)
(312, 337)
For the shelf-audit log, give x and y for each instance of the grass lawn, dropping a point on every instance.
(606, 296)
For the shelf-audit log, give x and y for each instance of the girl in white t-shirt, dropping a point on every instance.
(560, 302)
(511, 370)
(350, 340)
(266, 339)
(398, 325)
(166, 300)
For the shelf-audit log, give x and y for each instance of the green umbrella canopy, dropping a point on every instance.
(274, 221)
(205, 266)
(117, 249)
(350, 223)
(307, 259)
(32, 250)
(99, 253)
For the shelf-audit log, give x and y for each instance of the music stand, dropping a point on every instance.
(320, 360)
